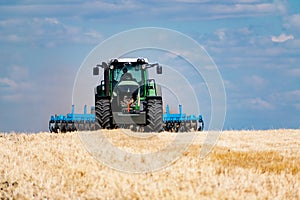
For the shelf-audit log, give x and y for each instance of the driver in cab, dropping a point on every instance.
(126, 75)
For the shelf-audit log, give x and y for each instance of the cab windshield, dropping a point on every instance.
(133, 69)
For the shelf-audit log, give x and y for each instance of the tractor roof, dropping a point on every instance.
(131, 60)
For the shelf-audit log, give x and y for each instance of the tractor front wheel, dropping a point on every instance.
(154, 115)
(103, 114)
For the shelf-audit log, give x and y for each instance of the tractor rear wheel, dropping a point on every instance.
(154, 115)
(103, 114)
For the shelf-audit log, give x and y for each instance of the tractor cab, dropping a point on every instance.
(127, 84)
(127, 73)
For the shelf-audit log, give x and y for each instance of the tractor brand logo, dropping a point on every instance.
(141, 83)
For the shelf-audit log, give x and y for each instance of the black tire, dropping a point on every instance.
(55, 128)
(97, 125)
(63, 127)
(194, 125)
(154, 116)
(103, 114)
(176, 127)
(92, 126)
(73, 127)
(70, 126)
(80, 126)
(182, 127)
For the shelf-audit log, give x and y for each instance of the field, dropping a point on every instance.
(242, 165)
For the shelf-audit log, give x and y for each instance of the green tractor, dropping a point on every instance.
(127, 98)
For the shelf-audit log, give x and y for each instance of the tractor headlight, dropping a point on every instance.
(143, 66)
(140, 60)
(111, 67)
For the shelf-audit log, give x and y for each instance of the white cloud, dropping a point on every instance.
(6, 82)
(246, 9)
(255, 81)
(221, 34)
(288, 98)
(133, 9)
(282, 38)
(94, 36)
(47, 32)
(258, 103)
(52, 20)
(13, 38)
(15, 84)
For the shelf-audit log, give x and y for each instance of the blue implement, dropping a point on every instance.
(172, 122)
(72, 121)
(181, 122)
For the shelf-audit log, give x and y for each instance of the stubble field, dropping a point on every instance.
(242, 165)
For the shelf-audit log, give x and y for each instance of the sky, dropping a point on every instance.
(254, 43)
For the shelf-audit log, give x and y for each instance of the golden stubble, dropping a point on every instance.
(243, 165)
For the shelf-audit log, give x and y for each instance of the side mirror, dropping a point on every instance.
(104, 65)
(159, 69)
(96, 71)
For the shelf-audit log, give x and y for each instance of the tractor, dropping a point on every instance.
(127, 97)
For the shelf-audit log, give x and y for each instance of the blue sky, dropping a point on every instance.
(254, 43)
